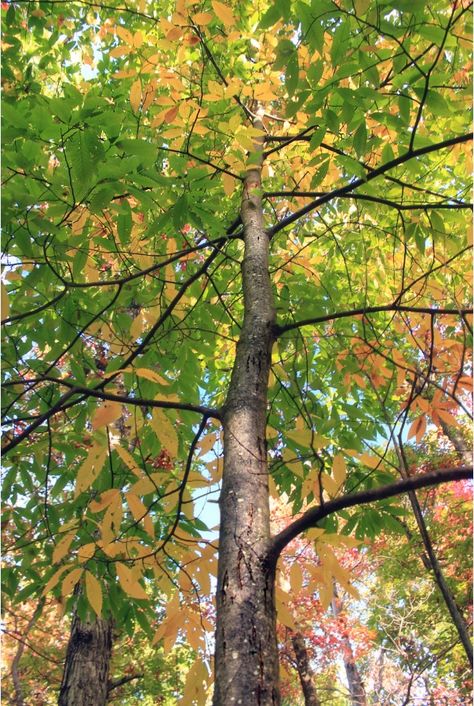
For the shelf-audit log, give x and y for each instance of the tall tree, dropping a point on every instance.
(250, 217)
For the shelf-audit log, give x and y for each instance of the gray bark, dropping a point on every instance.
(305, 671)
(246, 657)
(354, 680)
(86, 671)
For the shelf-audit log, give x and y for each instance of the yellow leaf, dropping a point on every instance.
(202, 18)
(62, 547)
(195, 688)
(129, 583)
(329, 485)
(165, 432)
(5, 303)
(136, 95)
(296, 577)
(325, 595)
(150, 484)
(105, 498)
(369, 461)
(71, 580)
(105, 414)
(284, 614)
(110, 526)
(339, 470)
(151, 375)
(94, 593)
(90, 469)
(137, 508)
(128, 459)
(224, 13)
(54, 580)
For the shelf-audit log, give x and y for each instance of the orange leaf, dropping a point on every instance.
(171, 114)
(105, 414)
(136, 95)
(224, 13)
(446, 417)
(202, 18)
(418, 428)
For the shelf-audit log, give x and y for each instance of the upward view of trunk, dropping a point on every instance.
(86, 671)
(354, 681)
(305, 671)
(246, 659)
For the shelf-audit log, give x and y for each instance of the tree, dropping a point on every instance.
(253, 218)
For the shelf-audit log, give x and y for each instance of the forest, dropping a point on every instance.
(236, 352)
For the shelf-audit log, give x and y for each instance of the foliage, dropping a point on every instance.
(127, 133)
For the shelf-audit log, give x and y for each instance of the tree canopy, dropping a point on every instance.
(218, 209)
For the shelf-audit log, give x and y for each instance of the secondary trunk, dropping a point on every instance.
(354, 681)
(86, 671)
(304, 670)
(246, 659)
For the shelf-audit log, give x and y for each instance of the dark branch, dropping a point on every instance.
(372, 175)
(316, 514)
(370, 310)
(375, 199)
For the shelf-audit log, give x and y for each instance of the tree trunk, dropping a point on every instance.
(86, 671)
(305, 672)
(354, 681)
(246, 658)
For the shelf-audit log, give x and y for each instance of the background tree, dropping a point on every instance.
(237, 218)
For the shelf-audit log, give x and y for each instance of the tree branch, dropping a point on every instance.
(369, 310)
(115, 683)
(316, 514)
(374, 199)
(371, 175)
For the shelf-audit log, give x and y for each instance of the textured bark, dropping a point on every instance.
(354, 681)
(305, 672)
(86, 671)
(246, 660)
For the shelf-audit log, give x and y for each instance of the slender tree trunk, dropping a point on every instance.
(354, 681)
(246, 658)
(18, 699)
(305, 671)
(86, 671)
(456, 615)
